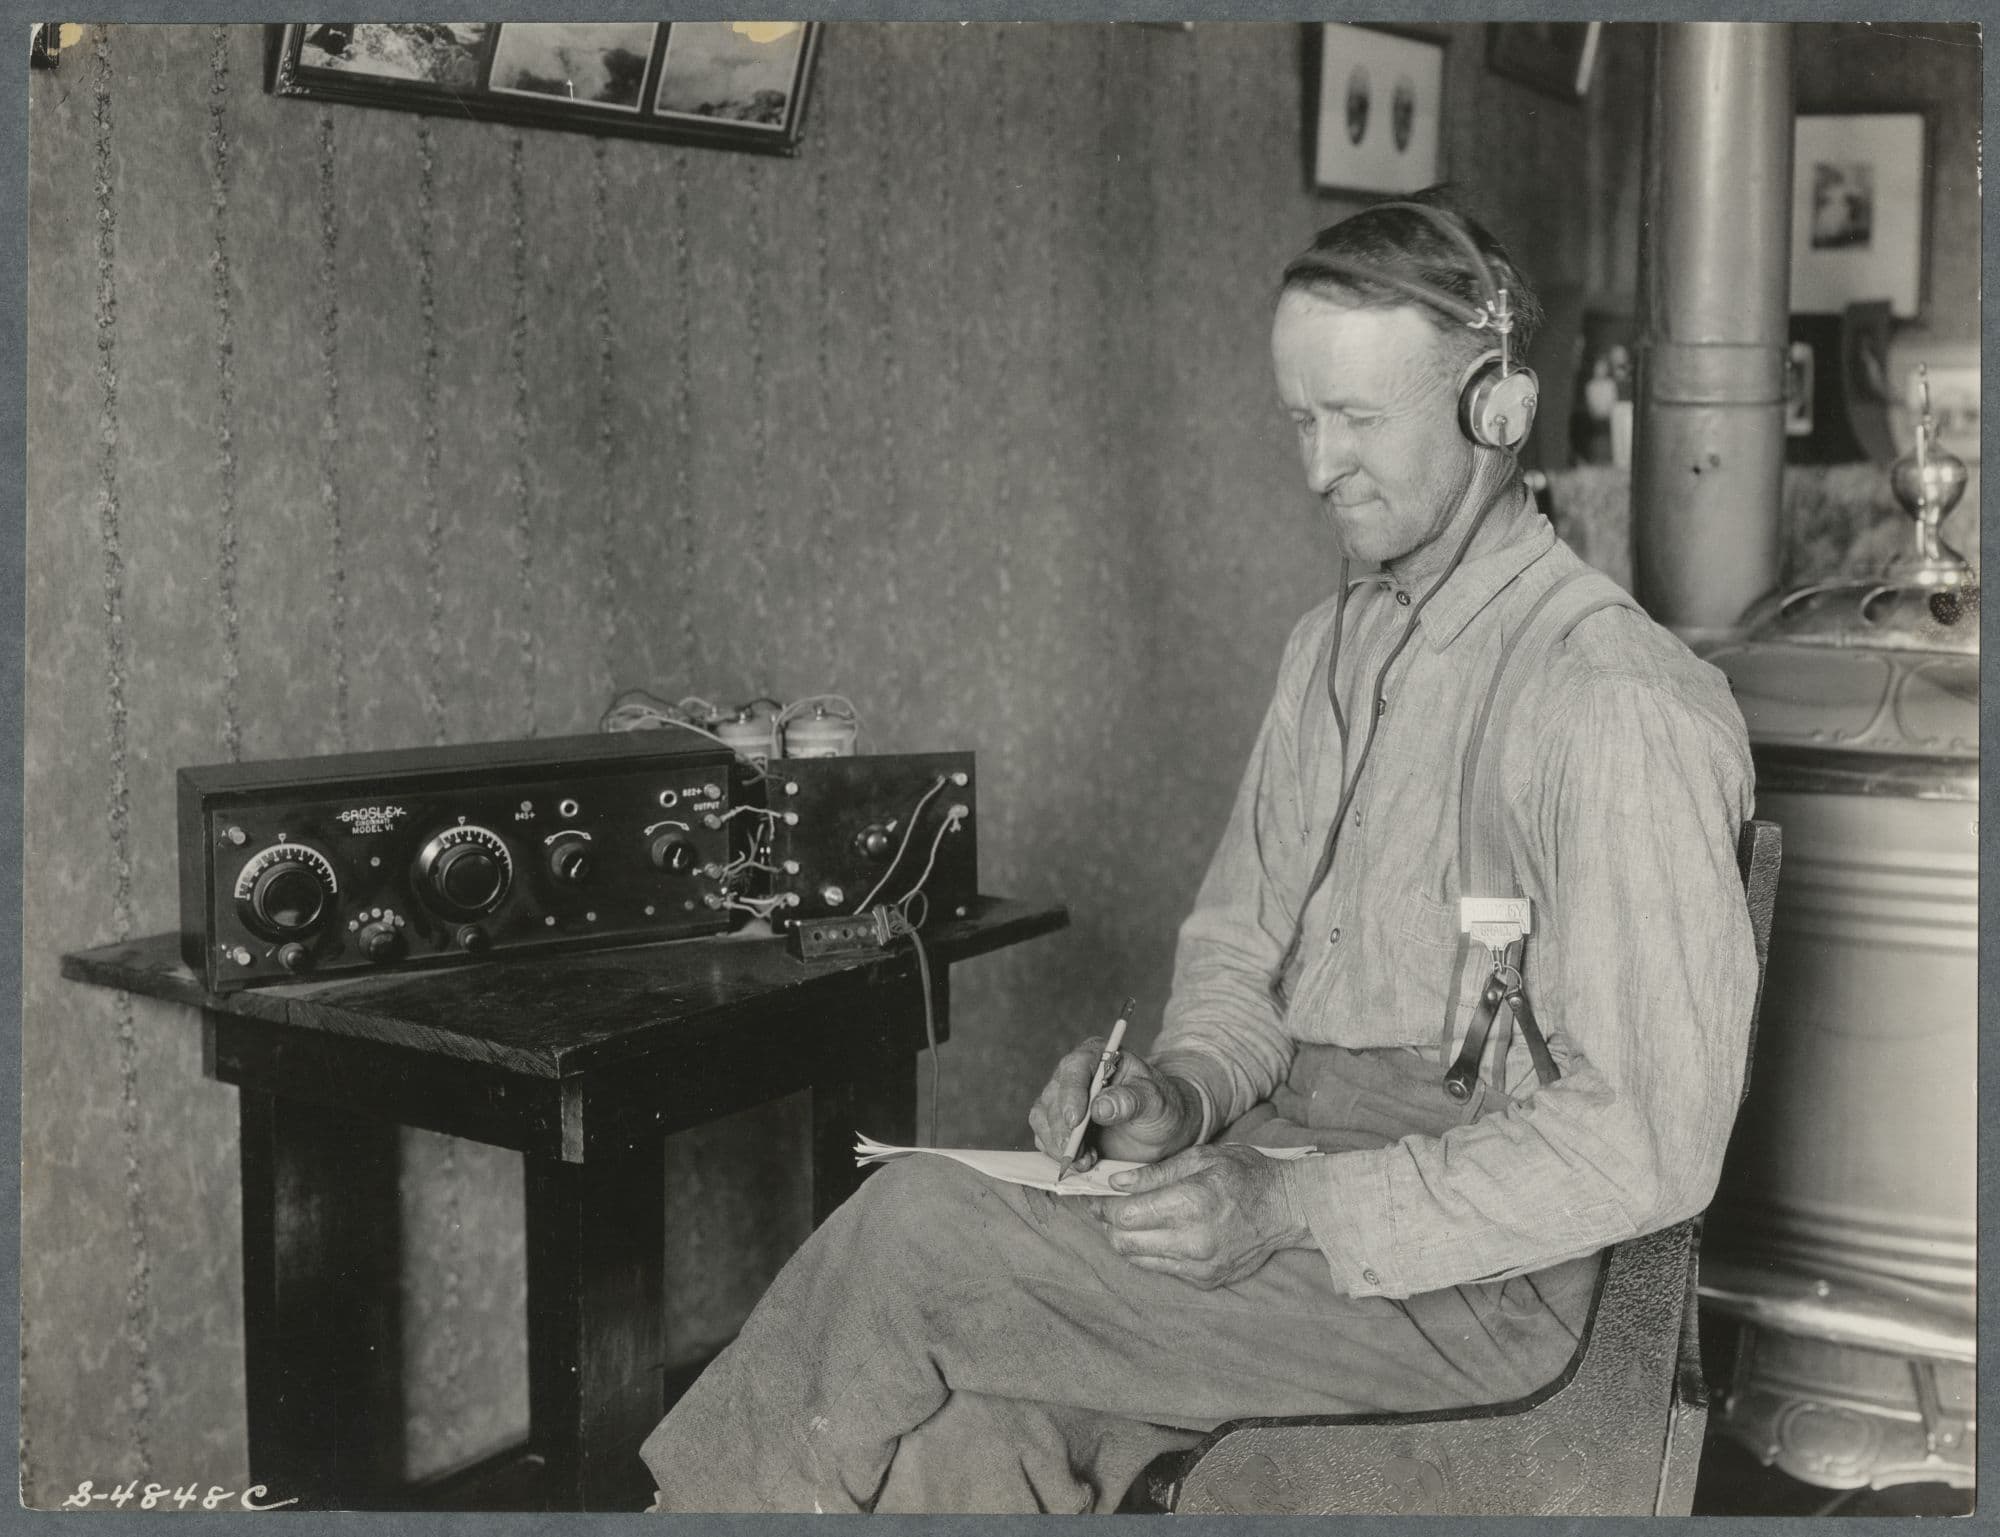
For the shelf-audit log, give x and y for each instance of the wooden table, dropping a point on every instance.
(584, 1062)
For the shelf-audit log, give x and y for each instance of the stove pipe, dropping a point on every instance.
(1715, 281)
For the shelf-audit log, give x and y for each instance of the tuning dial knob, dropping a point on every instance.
(872, 842)
(474, 940)
(294, 956)
(285, 891)
(464, 871)
(672, 853)
(569, 858)
(380, 941)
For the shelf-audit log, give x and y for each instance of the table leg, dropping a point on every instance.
(322, 1328)
(596, 1237)
(872, 1089)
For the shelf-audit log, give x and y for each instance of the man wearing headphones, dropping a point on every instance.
(1474, 933)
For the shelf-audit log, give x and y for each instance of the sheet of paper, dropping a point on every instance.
(1035, 1170)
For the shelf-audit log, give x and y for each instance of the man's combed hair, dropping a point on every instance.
(1412, 246)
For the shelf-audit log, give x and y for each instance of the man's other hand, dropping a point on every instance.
(1142, 1114)
(1210, 1215)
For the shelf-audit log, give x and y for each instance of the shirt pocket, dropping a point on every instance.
(1428, 922)
(1430, 967)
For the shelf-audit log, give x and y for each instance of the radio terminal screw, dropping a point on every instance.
(791, 787)
(237, 836)
(961, 778)
(711, 791)
(791, 867)
(833, 896)
(712, 900)
(791, 819)
(711, 820)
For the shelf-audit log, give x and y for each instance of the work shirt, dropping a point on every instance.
(1626, 776)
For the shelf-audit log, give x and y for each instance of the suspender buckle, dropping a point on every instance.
(1500, 925)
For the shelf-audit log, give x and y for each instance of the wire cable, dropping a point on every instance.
(915, 816)
(761, 907)
(747, 810)
(636, 710)
(1325, 865)
(900, 927)
(949, 825)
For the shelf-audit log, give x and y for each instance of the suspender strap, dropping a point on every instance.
(1485, 861)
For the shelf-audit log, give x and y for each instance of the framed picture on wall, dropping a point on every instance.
(1555, 57)
(726, 84)
(1858, 211)
(1377, 123)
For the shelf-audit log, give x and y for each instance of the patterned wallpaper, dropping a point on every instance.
(356, 429)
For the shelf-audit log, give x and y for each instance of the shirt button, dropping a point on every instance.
(1382, 707)
(1371, 1278)
(1403, 598)
(1334, 937)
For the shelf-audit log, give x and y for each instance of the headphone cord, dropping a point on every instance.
(1325, 865)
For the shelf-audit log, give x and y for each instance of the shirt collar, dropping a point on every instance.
(1514, 536)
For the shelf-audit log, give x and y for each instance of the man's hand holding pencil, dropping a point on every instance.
(1137, 1112)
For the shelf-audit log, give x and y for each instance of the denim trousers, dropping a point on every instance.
(950, 1343)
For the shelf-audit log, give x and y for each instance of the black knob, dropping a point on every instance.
(672, 853)
(474, 940)
(294, 956)
(872, 842)
(288, 898)
(467, 876)
(569, 858)
(380, 942)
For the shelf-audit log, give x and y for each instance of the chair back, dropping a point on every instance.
(1759, 852)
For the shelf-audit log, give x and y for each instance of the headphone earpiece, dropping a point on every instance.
(1497, 409)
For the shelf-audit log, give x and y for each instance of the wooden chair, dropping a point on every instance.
(1618, 1433)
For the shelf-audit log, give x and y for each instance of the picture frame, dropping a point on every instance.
(1859, 209)
(1374, 109)
(1800, 381)
(1556, 58)
(722, 84)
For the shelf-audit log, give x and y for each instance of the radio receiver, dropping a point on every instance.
(422, 857)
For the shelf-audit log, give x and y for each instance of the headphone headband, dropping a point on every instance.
(1350, 266)
(1455, 230)
(1495, 313)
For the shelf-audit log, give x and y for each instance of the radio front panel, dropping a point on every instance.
(461, 859)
